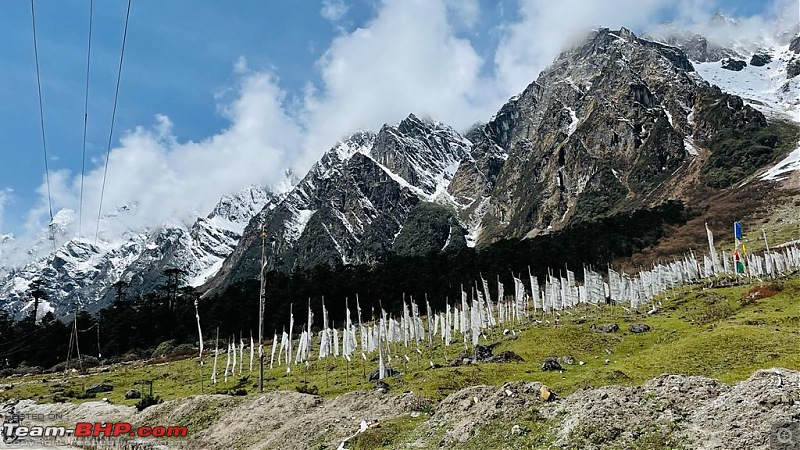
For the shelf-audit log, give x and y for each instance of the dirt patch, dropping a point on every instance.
(670, 411)
(762, 291)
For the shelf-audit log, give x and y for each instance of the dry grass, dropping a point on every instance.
(757, 206)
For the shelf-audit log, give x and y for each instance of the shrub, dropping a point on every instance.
(146, 401)
(164, 348)
(303, 389)
(183, 349)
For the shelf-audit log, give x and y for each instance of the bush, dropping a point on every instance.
(183, 349)
(76, 394)
(86, 362)
(147, 401)
(737, 154)
(303, 389)
(164, 348)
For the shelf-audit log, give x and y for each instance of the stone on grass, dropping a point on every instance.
(551, 364)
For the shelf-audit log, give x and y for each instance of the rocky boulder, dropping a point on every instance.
(639, 328)
(760, 59)
(733, 64)
(98, 388)
(551, 364)
(607, 328)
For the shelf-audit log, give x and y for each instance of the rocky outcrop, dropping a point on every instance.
(81, 272)
(674, 411)
(610, 127)
(697, 47)
(760, 59)
(355, 202)
(733, 64)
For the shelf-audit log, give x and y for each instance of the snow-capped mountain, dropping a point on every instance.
(354, 203)
(615, 124)
(82, 273)
(764, 72)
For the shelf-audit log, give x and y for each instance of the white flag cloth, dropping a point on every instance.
(199, 330)
(274, 344)
(241, 355)
(233, 359)
(227, 362)
(252, 353)
(712, 251)
(216, 353)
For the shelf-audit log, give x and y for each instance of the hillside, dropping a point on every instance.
(699, 335)
(617, 124)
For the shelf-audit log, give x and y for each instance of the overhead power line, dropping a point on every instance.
(41, 121)
(113, 117)
(85, 116)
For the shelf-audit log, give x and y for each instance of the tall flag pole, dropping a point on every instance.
(712, 251)
(216, 353)
(200, 336)
(261, 317)
(739, 251)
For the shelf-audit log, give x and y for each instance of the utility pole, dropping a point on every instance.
(261, 316)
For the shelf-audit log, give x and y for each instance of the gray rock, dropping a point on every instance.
(760, 59)
(382, 386)
(793, 68)
(795, 44)
(482, 352)
(98, 388)
(639, 328)
(568, 360)
(607, 328)
(505, 356)
(551, 364)
(389, 372)
(131, 394)
(733, 64)
(697, 47)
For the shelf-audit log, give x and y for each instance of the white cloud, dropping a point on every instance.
(548, 27)
(411, 57)
(466, 12)
(171, 180)
(333, 10)
(5, 194)
(776, 25)
(407, 59)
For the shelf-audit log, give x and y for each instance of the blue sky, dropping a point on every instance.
(287, 77)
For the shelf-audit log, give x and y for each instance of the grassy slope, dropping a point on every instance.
(709, 332)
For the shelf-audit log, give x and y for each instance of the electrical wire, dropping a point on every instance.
(85, 116)
(41, 121)
(113, 117)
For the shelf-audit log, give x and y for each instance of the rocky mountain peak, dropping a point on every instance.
(241, 206)
(794, 45)
(424, 154)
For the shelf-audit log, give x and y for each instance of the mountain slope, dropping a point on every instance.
(354, 201)
(81, 273)
(616, 124)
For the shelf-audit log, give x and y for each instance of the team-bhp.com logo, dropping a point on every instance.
(785, 436)
(88, 429)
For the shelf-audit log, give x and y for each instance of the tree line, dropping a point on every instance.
(134, 325)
